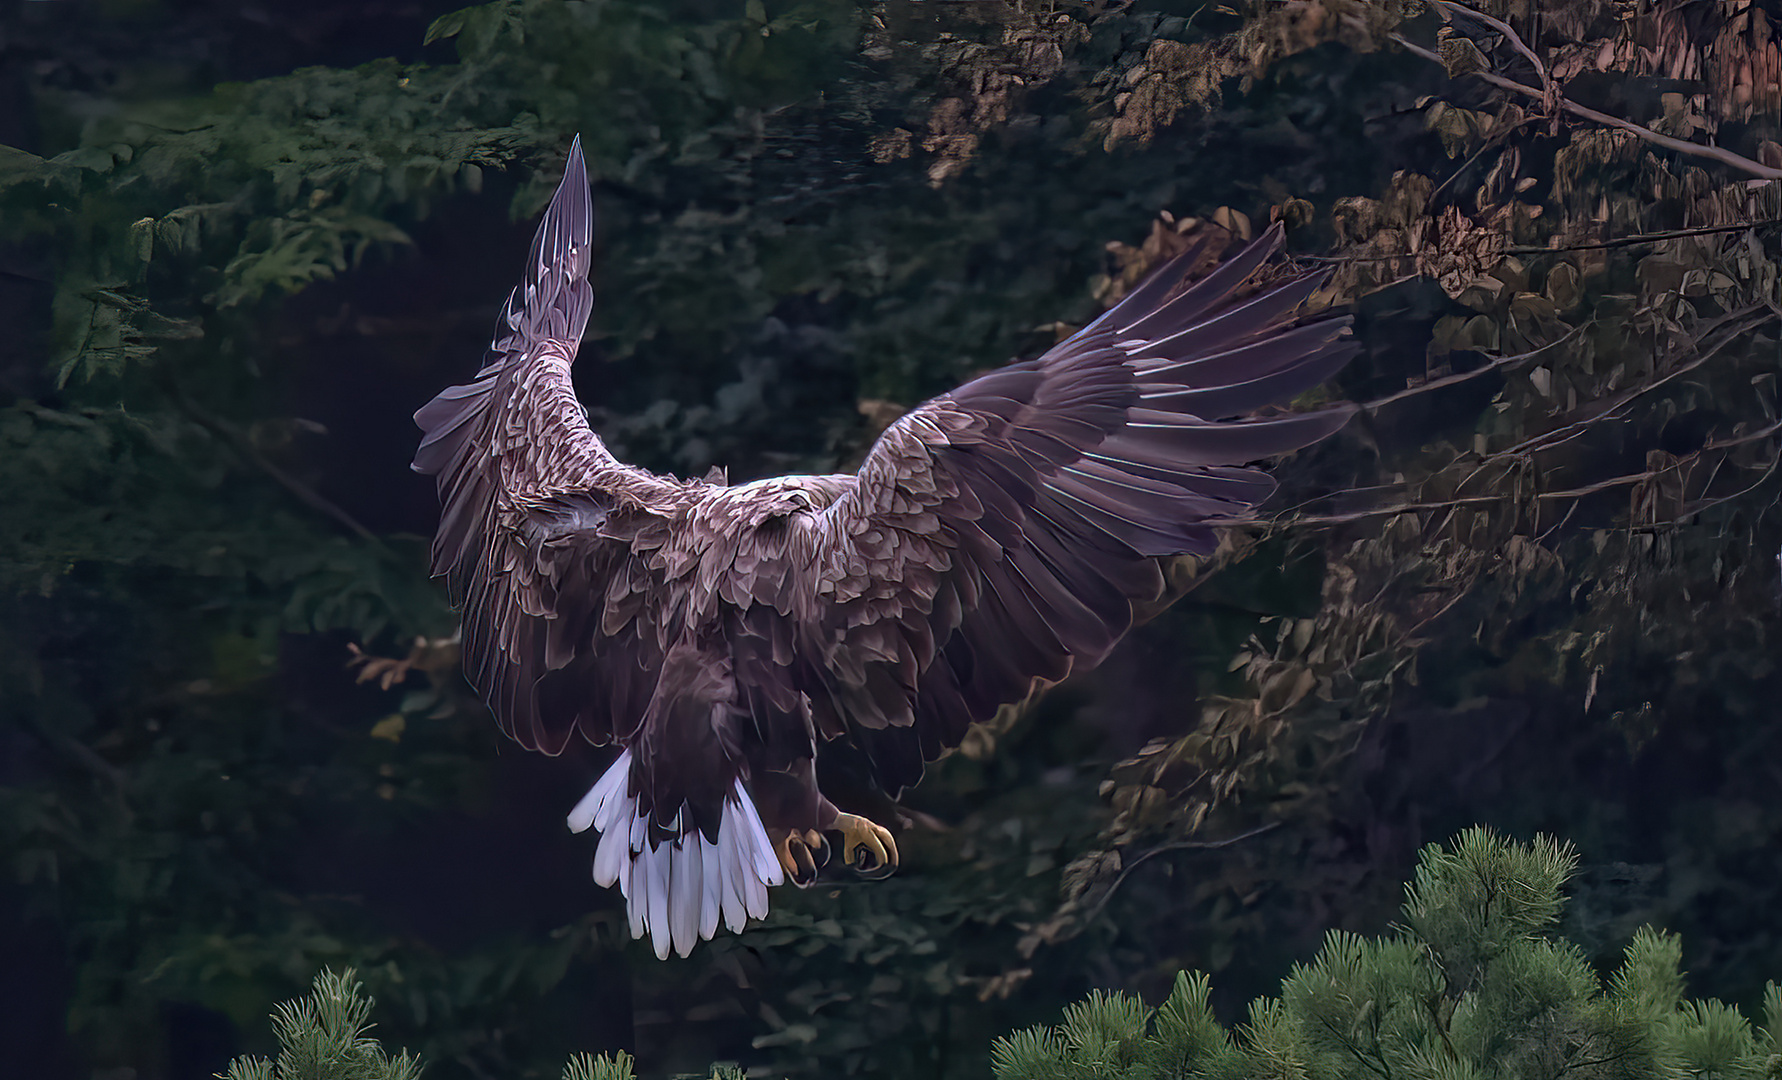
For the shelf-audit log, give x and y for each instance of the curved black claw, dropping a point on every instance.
(801, 855)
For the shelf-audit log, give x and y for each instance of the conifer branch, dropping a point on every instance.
(1480, 914)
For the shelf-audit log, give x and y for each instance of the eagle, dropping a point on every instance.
(721, 637)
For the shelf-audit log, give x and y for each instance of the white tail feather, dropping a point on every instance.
(678, 892)
(711, 885)
(730, 859)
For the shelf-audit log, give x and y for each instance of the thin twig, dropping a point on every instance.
(79, 753)
(1560, 524)
(1460, 377)
(1681, 146)
(1498, 138)
(1741, 324)
(1568, 493)
(1178, 845)
(1753, 486)
(1509, 34)
(245, 447)
(1644, 238)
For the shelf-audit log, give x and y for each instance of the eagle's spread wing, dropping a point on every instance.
(526, 492)
(1001, 533)
(555, 553)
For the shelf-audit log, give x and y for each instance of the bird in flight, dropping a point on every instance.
(723, 636)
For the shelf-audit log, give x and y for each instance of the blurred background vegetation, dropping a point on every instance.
(1533, 585)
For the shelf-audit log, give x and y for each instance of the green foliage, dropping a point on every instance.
(824, 209)
(321, 1036)
(1115, 1035)
(1473, 985)
(169, 518)
(1579, 460)
(619, 1066)
(597, 1067)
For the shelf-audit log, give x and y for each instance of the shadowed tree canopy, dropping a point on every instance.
(1532, 583)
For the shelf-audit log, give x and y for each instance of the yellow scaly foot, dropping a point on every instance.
(866, 846)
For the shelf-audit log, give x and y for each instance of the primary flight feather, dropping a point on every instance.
(722, 636)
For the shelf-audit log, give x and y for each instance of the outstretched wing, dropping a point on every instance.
(554, 552)
(1002, 532)
(530, 502)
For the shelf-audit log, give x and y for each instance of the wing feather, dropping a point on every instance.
(538, 522)
(1005, 531)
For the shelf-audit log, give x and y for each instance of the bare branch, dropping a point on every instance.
(1681, 146)
(1448, 7)
(1568, 493)
(244, 446)
(1176, 845)
(1460, 377)
(1644, 238)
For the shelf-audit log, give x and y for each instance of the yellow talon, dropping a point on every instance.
(866, 846)
(801, 855)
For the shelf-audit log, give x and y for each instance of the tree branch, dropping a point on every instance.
(1177, 845)
(1460, 377)
(1681, 146)
(1542, 496)
(1644, 238)
(1736, 325)
(1448, 7)
(245, 447)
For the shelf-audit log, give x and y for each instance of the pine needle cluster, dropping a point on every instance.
(1474, 985)
(322, 1037)
(619, 1066)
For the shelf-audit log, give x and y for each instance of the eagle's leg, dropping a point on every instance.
(867, 846)
(802, 854)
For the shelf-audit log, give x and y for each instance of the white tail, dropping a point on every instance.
(677, 890)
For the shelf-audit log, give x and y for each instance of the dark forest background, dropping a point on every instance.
(1534, 584)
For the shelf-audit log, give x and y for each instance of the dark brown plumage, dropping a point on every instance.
(721, 635)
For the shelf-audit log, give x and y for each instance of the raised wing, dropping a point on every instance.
(1001, 533)
(537, 519)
